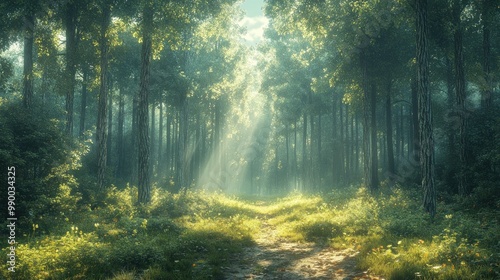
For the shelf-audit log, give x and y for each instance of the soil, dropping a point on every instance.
(275, 258)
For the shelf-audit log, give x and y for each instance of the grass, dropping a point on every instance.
(193, 235)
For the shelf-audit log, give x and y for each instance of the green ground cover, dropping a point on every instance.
(192, 235)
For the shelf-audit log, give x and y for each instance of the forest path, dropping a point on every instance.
(273, 257)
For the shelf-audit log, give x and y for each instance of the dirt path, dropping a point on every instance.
(275, 258)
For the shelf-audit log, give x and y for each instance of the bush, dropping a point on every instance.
(33, 142)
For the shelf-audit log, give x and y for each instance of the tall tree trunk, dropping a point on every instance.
(374, 150)
(70, 20)
(109, 141)
(29, 27)
(335, 177)
(487, 10)
(169, 144)
(424, 107)
(119, 145)
(342, 142)
(391, 169)
(160, 141)
(356, 167)
(102, 132)
(366, 119)
(460, 95)
(415, 130)
(183, 147)
(347, 146)
(450, 93)
(320, 166)
(287, 147)
(304, 151)
(152, 156)
(143, 107)
(83, 102)
(135, 139)
(295, 161)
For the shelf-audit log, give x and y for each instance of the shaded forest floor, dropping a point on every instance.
(199, 235)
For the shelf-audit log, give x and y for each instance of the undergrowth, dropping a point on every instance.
(179, 236)
(393, 235)
(193, 235)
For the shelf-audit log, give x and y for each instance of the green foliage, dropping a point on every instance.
(44, 158)
(394, 237)
(173, 238)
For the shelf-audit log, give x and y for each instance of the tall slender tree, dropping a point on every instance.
(424, 108)
(144, 185)
(102, 110)
(70, 19)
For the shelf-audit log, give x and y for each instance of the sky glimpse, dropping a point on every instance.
(254, 21)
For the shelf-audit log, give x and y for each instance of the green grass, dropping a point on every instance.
(193, 235)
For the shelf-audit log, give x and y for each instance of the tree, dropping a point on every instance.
(70, 18)
(424, 107)
(102, 129)
(143, 105)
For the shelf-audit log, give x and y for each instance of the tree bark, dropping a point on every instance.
(102, 132)
(374, 150)
(110, 125)
(121, 120)
(144, 187)
(152, 156)
(391, 169)
(83, 102)
(366, 118)
(460, 95)
(486, 98)
(160, 140)
(424, 107)
(304, 151)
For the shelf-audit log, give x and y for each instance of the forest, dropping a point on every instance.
(157, 139)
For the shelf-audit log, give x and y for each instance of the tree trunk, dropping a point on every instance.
(109, 141)
(487, 9)
(183, 159)
(143, 107)
(341, 142)
(304, 151)
(160, 141)
(287, 147)
(374, 150)
(347, 146)
(295, 161)
(102, 132)
(460, 95)
(29, 27)
(391, 169)
(135, 140)
(366, 118)
(335, 148)
(83, 102)
(169, 144)
(415, 131)
(70, 19)
(152, 156)
(119, 146)
(424, 107)
(320, 166)
(356, 167)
